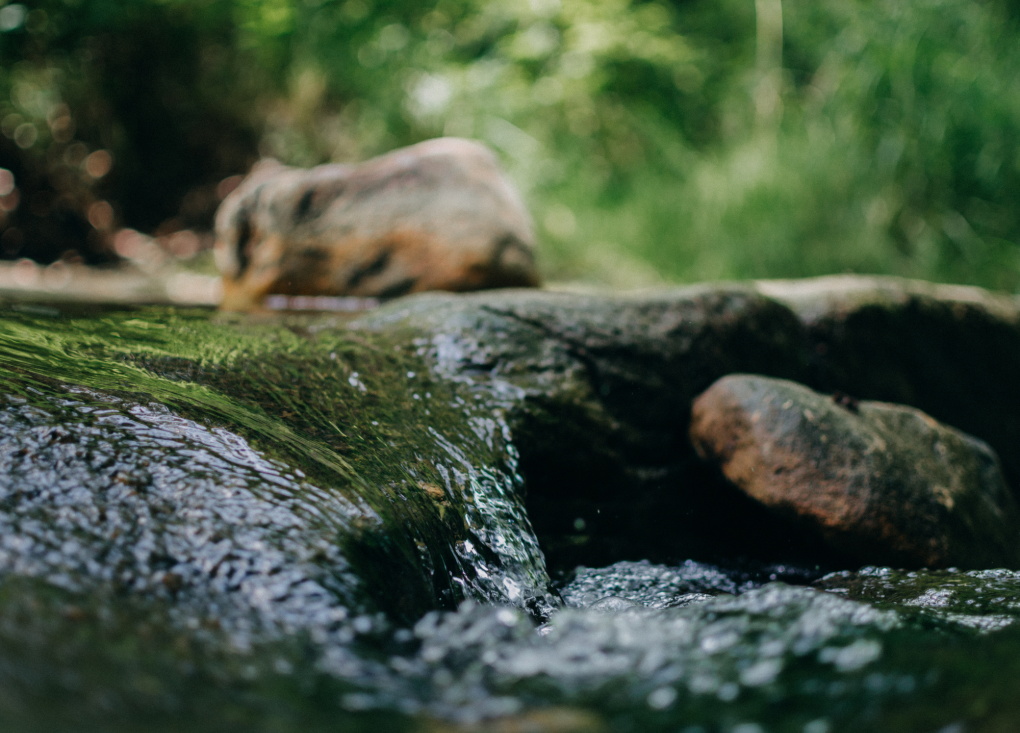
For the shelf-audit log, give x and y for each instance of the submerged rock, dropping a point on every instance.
(979, 600)
(438, 215)
(883, 484)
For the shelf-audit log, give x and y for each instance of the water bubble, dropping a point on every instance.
(355, 382)
(507, 617)
(858, 654)
(62, 127)
(612, 604)
(761, 673)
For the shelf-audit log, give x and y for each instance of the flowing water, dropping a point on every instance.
(281, 526)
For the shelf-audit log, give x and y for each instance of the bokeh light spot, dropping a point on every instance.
(25, 135)
(101, 215)
(6, 181)
(98, 164)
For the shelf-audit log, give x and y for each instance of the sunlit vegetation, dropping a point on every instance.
(655, 141)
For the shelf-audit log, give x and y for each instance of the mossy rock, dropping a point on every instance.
(289, 494)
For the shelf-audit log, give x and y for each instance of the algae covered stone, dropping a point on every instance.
(307, 523)
(881, 483)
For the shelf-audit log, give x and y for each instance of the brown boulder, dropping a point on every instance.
(880, 483)
(438, 215)
(949, 350)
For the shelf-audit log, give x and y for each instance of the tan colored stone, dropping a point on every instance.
(950, 350)
(880, 483)
(438, 215)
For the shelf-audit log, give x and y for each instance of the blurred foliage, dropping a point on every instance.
(654, 140)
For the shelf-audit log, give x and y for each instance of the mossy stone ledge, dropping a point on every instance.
(266, 522)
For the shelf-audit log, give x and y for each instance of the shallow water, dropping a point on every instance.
(219, 524)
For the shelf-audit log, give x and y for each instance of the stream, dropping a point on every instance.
(282, 524)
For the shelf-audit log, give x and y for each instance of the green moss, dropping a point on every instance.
(357, 412)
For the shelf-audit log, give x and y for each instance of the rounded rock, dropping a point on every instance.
(881, 483)
(439, 215)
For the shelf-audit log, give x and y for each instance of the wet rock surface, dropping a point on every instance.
(880, 482)
(146, 502)
(596, 392)
(306, 523)
(981, 600)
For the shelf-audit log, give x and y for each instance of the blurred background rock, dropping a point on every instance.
(654, 141)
